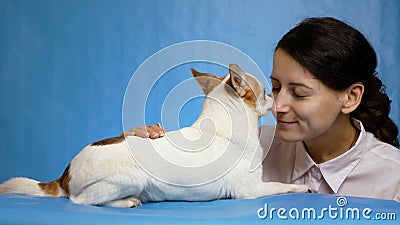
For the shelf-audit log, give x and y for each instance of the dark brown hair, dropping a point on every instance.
(339, 56)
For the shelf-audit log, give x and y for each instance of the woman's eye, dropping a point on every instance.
(298, 94)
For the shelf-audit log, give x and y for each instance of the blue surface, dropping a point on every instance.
(21, 209)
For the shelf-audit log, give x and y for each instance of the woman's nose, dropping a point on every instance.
(281, 102)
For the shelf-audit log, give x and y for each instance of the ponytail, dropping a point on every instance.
(374, 110)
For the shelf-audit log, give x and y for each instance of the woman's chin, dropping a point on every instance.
(288, 136)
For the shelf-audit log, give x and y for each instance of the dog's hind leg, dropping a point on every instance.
(103, 192)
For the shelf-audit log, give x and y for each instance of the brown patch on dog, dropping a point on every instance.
(49, 188)
(250, 98)
(63, 181)
(52, 188)
(110, 141)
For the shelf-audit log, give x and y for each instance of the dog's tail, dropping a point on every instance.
(27, 186)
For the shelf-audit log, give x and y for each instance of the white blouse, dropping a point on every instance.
(371, 168)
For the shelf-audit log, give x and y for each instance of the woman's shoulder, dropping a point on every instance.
(376, 151)
(382, 151)
(378, 167)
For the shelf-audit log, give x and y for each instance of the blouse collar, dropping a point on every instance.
(335, 170)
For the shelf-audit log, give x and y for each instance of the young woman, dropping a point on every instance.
(333, 131)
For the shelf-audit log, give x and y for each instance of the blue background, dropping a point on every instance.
(65, 65)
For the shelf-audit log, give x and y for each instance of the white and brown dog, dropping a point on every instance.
(209, 160)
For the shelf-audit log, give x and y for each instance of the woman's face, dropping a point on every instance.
(304, 107)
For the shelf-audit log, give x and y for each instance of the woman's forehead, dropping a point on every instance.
(285, 68)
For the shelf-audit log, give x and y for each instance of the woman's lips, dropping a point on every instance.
(286, 123)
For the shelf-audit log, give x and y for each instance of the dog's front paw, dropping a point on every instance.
(301, 188)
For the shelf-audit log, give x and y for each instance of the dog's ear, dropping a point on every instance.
(206, 81)
(238, 79)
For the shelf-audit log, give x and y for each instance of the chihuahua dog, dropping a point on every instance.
(209, 160)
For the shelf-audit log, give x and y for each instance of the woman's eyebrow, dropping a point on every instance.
(292, 83)
(300, 84)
